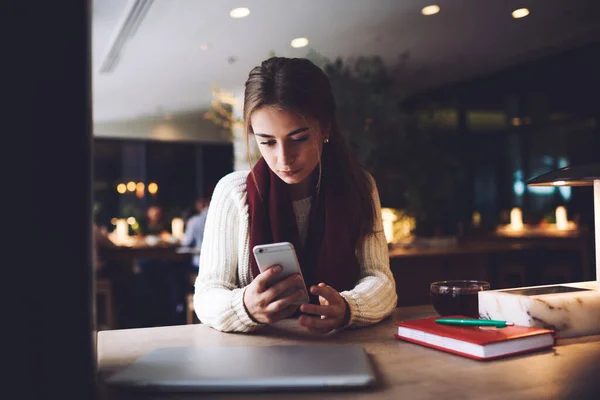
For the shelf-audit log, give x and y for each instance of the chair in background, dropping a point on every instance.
(104, 299)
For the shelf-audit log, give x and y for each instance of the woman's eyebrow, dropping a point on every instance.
(264, 135)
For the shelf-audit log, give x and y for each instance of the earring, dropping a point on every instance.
(326, 140)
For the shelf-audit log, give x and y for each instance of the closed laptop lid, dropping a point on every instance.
(248, 368)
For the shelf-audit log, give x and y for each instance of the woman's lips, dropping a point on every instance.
(290, 173)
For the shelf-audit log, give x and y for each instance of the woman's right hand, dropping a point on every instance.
(264, 302)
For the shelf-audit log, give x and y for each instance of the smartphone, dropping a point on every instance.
(284, 255)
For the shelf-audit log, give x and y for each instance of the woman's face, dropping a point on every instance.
(291, 145)
(154, 214)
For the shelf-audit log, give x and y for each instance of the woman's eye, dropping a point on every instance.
(268, 143)
(300, 139)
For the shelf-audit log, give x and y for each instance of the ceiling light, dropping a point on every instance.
(520, 13)
(299, 42)
(239, 12)
(203, 47)
(430, 10)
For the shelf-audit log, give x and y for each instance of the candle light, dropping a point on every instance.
(516, 219)
(388, 218)
(562, 223)
(407, 225)
(177, 228)
(122, 231)
(476, 219)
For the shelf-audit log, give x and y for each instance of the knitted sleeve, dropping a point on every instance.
(374, 296)
(218, 297)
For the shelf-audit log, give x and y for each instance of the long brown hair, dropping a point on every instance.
(297, 85)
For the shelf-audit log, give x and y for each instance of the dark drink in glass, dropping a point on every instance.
(457, 297)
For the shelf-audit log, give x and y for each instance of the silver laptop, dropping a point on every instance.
(248, 368)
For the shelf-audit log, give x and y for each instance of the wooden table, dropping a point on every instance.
(405, 370)
(467, 248)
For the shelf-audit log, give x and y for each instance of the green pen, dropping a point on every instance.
(473, 322)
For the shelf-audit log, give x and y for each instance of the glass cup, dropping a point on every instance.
(457, 297)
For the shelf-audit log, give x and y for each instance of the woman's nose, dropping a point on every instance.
(286, 155)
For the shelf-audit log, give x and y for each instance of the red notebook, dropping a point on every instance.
(477, 342)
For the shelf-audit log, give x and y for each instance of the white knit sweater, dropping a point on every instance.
(225, 269)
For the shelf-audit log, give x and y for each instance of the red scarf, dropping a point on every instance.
(329, 253)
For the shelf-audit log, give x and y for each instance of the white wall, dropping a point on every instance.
(181, 127)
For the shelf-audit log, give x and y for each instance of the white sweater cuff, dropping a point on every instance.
(237, 304)
(353, 309)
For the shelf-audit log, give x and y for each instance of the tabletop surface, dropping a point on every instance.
(489, 246)
(405, 370)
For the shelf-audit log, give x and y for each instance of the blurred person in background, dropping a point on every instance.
(194, 229)
(182, 277)
(154, 222)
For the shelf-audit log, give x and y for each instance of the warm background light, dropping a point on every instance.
(121, 232)
(516, 219)
(177, 228)
(152, 188)
(139, 190)
(562, 222)
(131, 186)
(430, 10)
(388, 217)
(476, 219)
(520, 13)
(239, 12)
(299, 42)
(131, 220)
(121, 188)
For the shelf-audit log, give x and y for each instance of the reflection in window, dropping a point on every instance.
(519, 188)
(548, 148)
(541, 190)
(442, 118)
(565, 191)
(516, 169)
(486, 120)
(486, 195)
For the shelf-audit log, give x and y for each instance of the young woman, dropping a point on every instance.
(308, 190)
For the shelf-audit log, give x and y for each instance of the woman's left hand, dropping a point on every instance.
(329, 315)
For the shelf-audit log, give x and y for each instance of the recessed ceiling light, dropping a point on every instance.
(299, 42)
(520, 13)
(239, 12)
(203, 47)
(430, 10)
